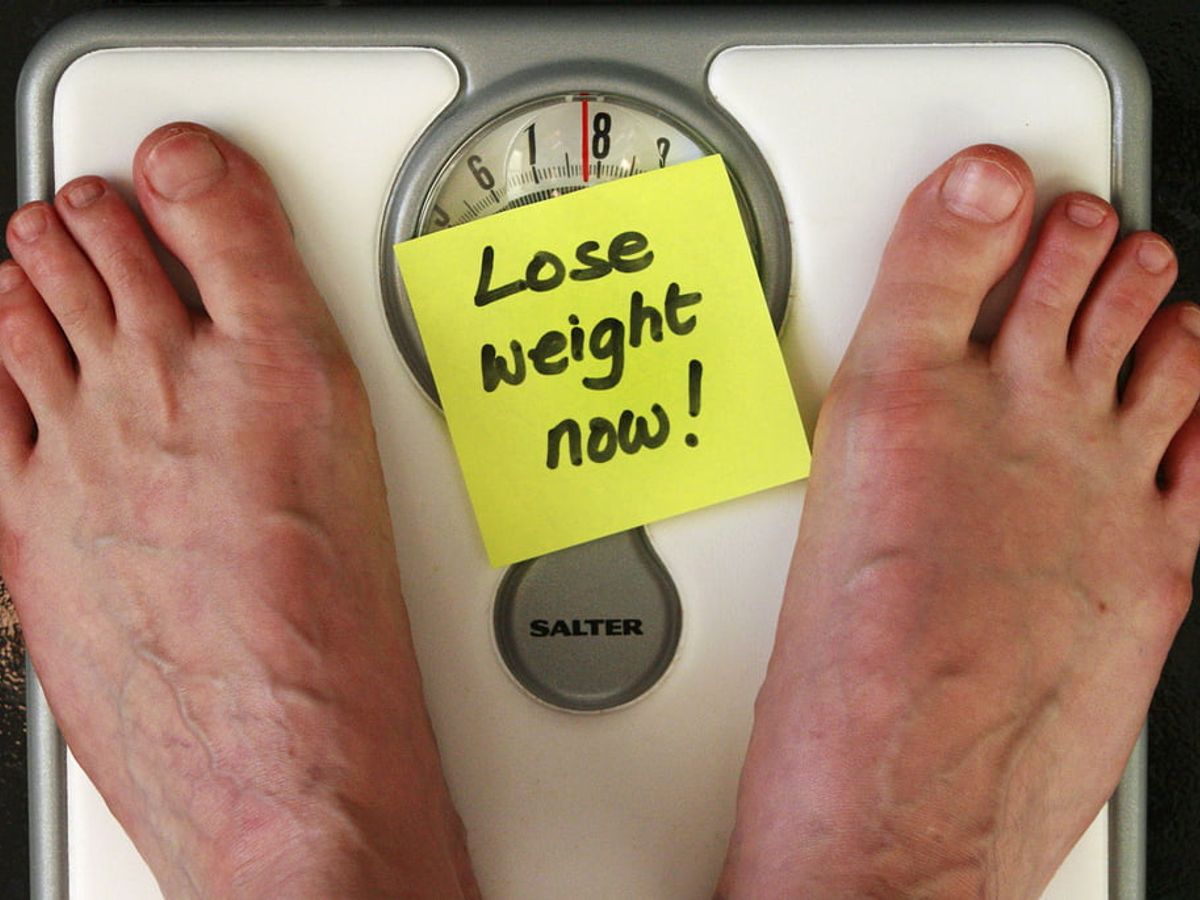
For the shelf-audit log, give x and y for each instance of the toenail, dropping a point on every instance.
(11, 277)
(1086, 213)
(1189, 318)
(183, 164)
(1154, 256)
(82, 193)
(981, 190)
(28, 224)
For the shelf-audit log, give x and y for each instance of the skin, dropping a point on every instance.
(994, 555)
(196, 536)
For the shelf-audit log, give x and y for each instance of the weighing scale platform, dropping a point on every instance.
(827, 118)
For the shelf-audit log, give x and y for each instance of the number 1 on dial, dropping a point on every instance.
(532, 144)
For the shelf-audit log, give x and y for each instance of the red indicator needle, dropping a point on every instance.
(583, 131)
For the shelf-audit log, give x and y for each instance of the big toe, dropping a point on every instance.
(958, 233)
(214, 207)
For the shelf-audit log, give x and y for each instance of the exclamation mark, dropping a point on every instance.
(695, 372)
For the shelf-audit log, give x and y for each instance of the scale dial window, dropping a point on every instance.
(548, 143)
(550, 147)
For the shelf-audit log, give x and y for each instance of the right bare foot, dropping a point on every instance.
(995, 554)
(196, 537)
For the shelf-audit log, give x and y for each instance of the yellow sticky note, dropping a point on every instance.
(605, 359)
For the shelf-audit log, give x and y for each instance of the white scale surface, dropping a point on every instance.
(635, 803)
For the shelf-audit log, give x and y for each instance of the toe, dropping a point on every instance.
(959, 231)
(107, 231)
(1181, 479)
(63, 276)
(16, 424)
(1130, 286)
(16, 421)
(1164, 383)
(1076, 235)
(214, 207)
(32, 347)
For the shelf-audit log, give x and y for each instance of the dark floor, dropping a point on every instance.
(1168, 35)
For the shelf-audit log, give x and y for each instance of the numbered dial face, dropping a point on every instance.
(551, 147)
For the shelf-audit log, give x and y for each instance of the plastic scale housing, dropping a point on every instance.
(826, 118)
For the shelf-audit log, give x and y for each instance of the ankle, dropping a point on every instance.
(330, 855)
(859, 862)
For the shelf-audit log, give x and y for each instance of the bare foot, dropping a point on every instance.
(994, 557)
(195, 534)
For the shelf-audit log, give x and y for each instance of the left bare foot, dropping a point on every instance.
(194, 528)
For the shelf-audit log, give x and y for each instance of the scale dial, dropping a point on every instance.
(519, 151)
(553, 146)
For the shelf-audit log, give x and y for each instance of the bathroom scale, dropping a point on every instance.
(588, 759)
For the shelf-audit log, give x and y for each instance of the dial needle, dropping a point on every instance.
(583, 132)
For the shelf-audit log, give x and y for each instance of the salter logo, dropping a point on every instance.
(585, 628)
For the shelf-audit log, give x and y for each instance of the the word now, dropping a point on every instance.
(629, 435)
